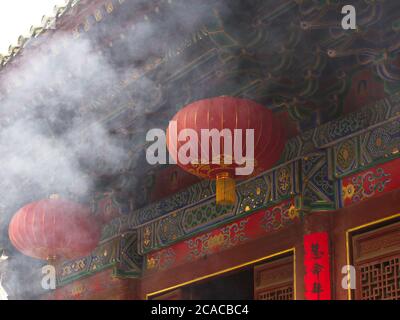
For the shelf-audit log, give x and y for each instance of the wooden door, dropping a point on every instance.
(274, 280)
(376, 258)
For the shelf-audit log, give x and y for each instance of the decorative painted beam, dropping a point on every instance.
(332, 132)
(251, 227)
(119, 254)
(314, 191)
(319, 181)
(369, 183)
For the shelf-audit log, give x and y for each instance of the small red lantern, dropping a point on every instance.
(228, 113)
(54, 229)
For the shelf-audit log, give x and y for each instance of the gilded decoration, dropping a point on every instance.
(284, 181)
(252, 195)
(383, 140)
(346, 155)
(169, 228)
(202, 215)
(76, 266)
(161, 260)
(349, 191)
(366, 185)
(328, 133)
(146, 237)
(231, 235)
(279, 216)
(105, 255)
(363, 150)
(151, 263)
(255, 194)
(294, 212)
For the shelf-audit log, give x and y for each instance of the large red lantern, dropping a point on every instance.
(54, 229)
(228, 113)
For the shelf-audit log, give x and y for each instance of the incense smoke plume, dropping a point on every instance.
(51, 102)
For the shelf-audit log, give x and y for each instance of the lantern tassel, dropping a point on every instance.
(226, 194)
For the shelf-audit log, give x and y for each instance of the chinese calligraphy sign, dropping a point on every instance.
(317, 267)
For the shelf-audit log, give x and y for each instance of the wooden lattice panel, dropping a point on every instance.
(380, 280)
(376, 257)
(274, 280)
(281, 293)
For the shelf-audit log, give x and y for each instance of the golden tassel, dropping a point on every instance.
(225, 185)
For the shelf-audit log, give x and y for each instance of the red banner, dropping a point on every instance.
(317, 278)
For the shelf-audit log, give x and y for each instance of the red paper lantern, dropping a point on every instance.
(229, 113)
(54, 229)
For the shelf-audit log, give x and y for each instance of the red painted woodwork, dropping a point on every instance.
(371, 182)
(101, 286)
(54, 229)
(252, 227)
(249, 251)
(335, 223)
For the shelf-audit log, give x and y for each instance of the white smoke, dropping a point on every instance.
(53, 99)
